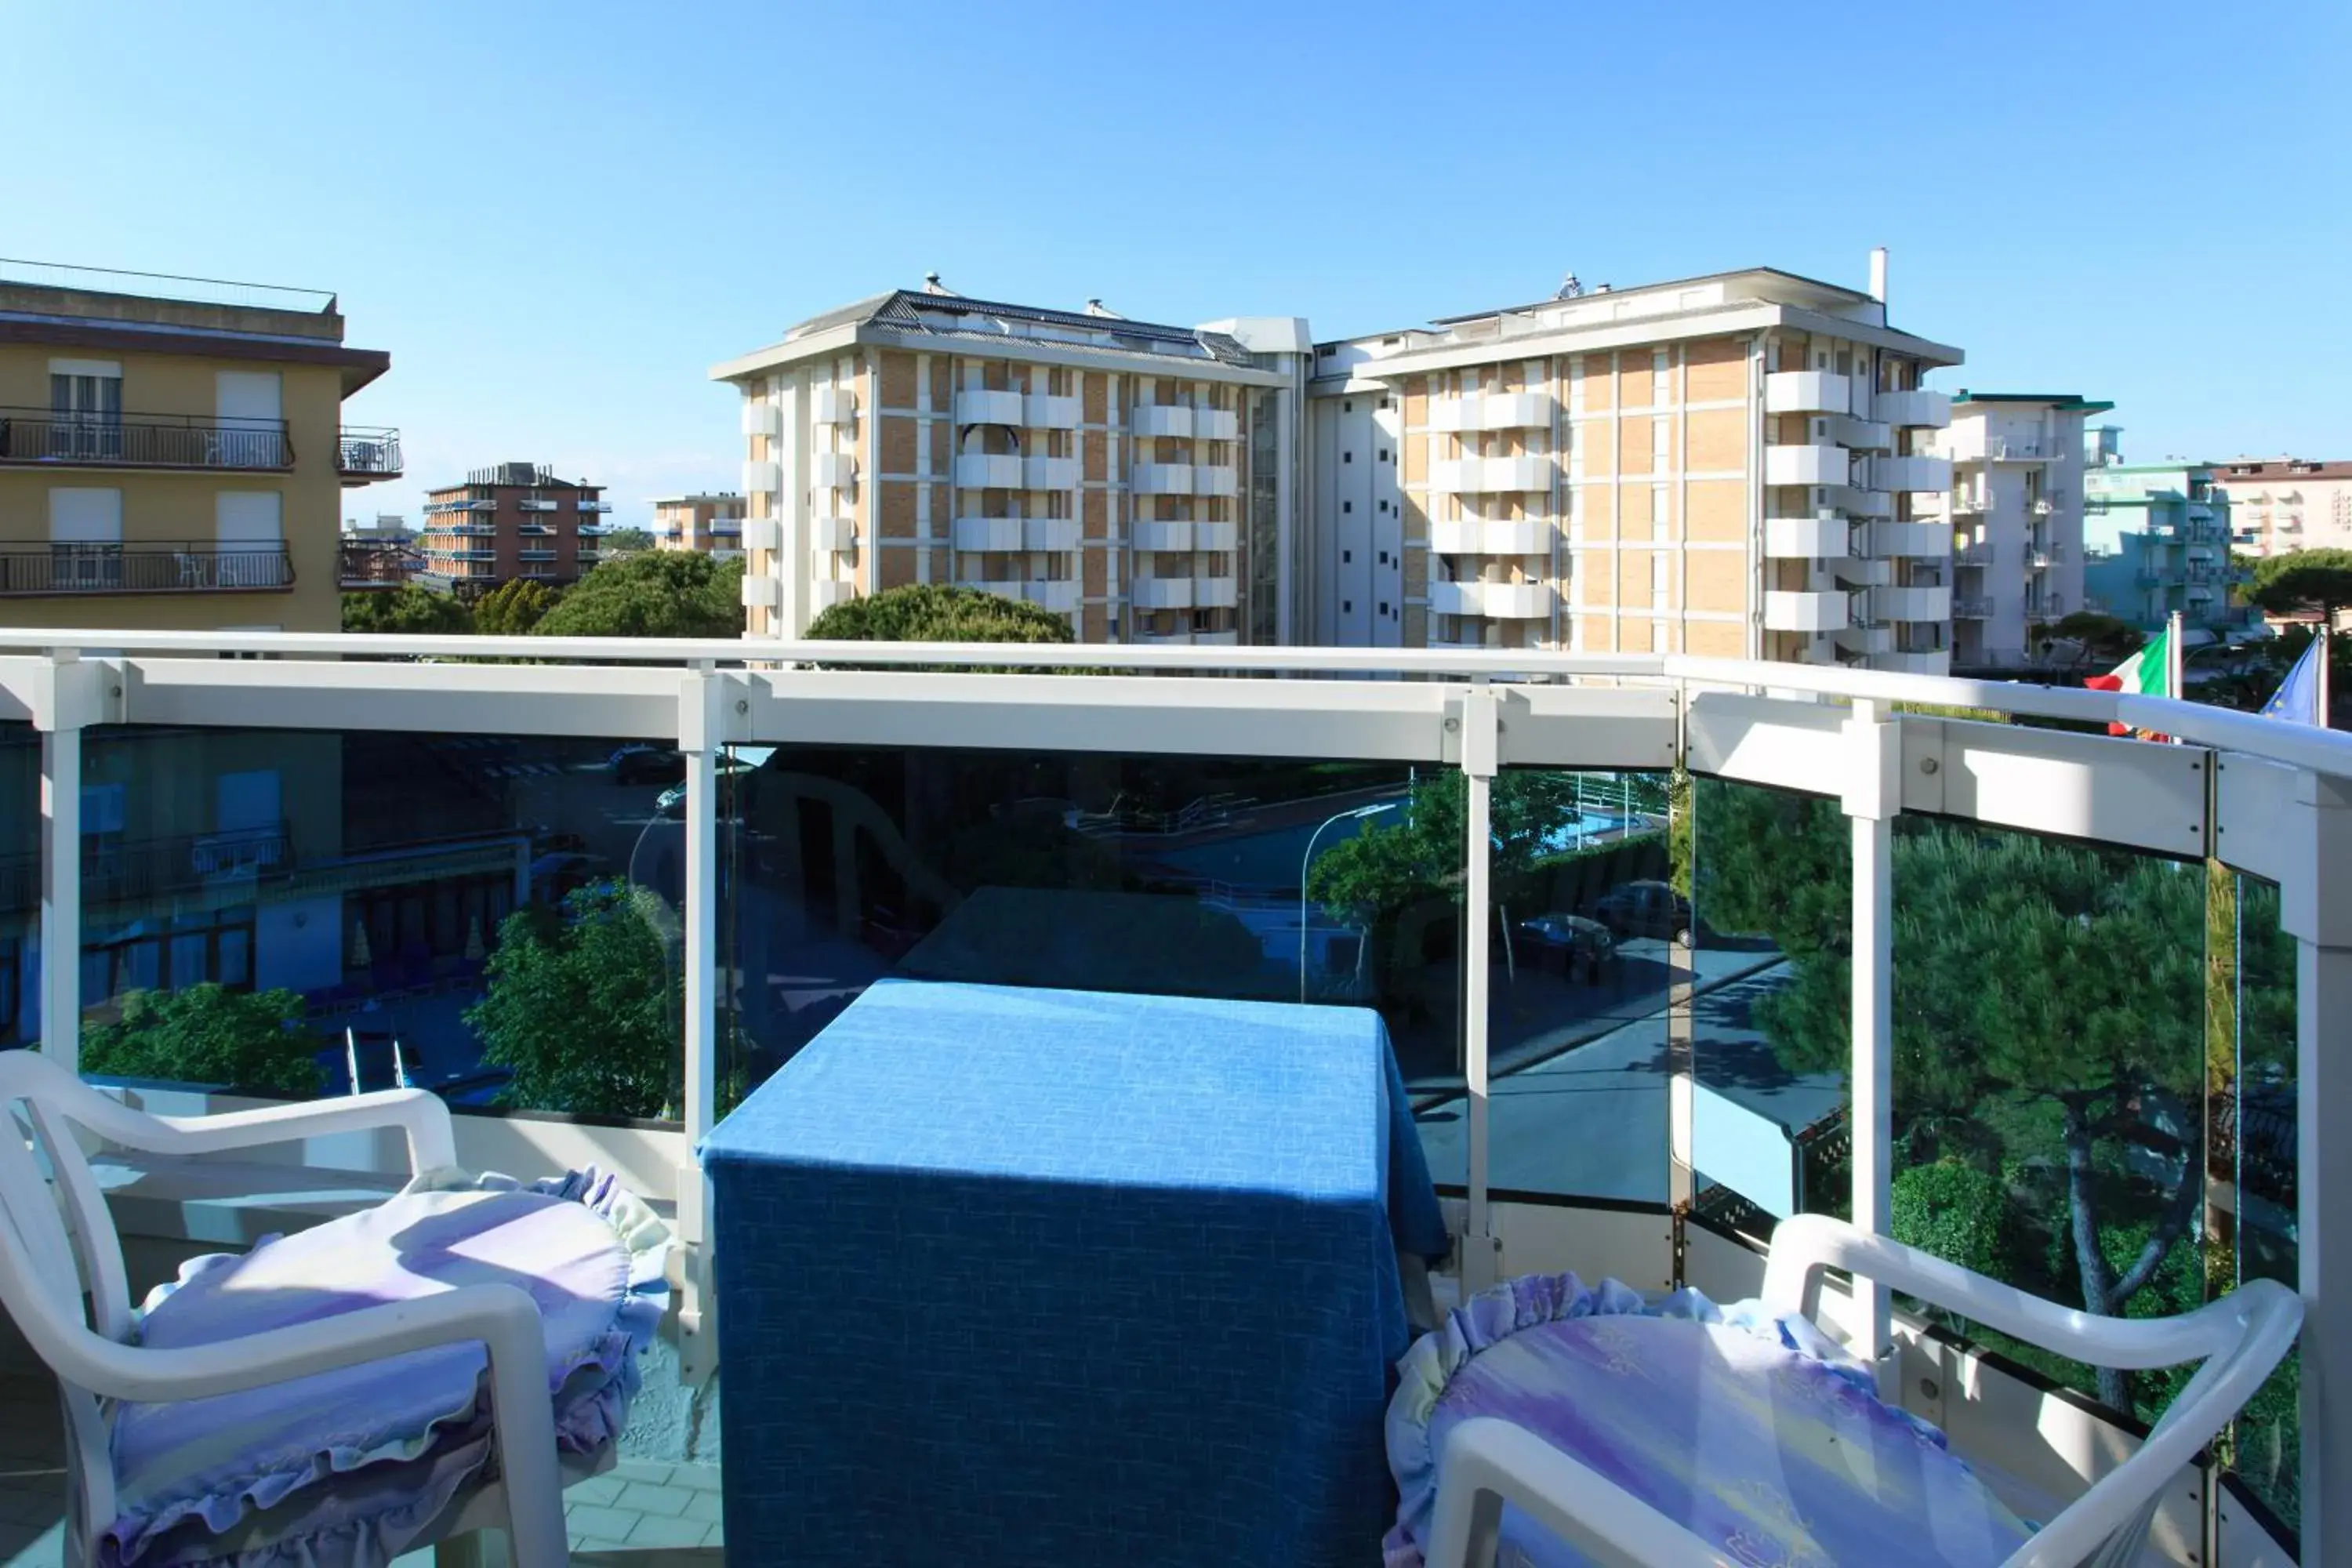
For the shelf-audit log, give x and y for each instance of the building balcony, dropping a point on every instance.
(762, 534)
(1216, 536)
(989, 471)
(537, 504)
(761, 592)
(832, 406)
(1936, 661)
(1049, 411)
(591, 506)
(986, 405)
(762, 419)
(1976, 608)
(1161, 593)
(1491, 476)
(1808, 391)
(1059, 595)
(76, 571)
(1933, 603)
(833, 534)
(1049, 473)
(1173, 421)
(760, 478)
(367, 453)
(1492, 411)
(1215, 593)
(987, 533)
(594, 530)
(1975, 555)
(1805, 612)
(1971, 448)
(1216, 424)
(1972, 503)
(1930, 541)
(1865, 639)
(1917, 409)
(832, 471)
(43, 438)
(1161, 478)
(1816, 538)
(464, 529)
(440, 508)
(1215, 479)
(1173, 537)
(1808, 465)
(1860, 435)
(1496, 601)
(533, 553)
(1915, 474)
(1050, 534)
(824, 592)
(1860, 504)
(1859, 573)
(1473, 537)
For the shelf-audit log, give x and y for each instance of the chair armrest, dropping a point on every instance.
(1488, 1462)
(422, 1116)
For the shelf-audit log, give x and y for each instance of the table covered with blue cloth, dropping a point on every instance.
(1047, 1277)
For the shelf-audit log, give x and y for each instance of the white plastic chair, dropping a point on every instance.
(94, 1361)
(2240, 1339)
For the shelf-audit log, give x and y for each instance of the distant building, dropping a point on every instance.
(2278, 505)
(172, 451)
(2016, 510)
(385, 525)
(708, 524)
(2155, 539)
(510, 520)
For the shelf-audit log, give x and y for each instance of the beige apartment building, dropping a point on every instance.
(2279, 505)
(1735, 465)
(707, 524)
(172, 451)
(1134, 477)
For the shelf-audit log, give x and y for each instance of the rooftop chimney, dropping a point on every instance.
(1878, 273)
(1097, 308)
(931, 284)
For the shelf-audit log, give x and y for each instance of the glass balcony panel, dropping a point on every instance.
(2251, 1157)
(20, 886)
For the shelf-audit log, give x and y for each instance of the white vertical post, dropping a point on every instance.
(2316, 908)
(702, 730)
(1873, 796)
(1480, 731)
(65, 699)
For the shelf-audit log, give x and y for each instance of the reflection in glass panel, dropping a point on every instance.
(1770, 1045)
(2252, 1119)
(299, 912)
(2049, 1069)
(20, 886)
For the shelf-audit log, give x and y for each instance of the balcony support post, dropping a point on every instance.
(706, 703)
(65, 701)
(2316, 908)
(1872, 796)
(1482, 1252)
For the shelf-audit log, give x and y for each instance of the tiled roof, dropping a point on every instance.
(909, 310)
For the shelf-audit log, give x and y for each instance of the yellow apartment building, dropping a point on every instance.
(172, 451)
(708, 524)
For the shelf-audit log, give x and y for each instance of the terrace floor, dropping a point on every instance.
(642, 1514)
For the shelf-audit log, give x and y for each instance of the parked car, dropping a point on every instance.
(1573, 944)
(643, 764)
(1645, 908)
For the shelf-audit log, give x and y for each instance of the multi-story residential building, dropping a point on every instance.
(1733, 464)
(1136, 478)
(2016, 510)
(510, 520)
(172, 451)
(379, 554)
(2155, 539)
(709, 524)
(2278, 505)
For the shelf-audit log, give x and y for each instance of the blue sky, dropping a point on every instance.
(557, 216)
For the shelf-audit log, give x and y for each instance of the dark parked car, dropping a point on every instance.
(648, 764)
(1571, 942)
(1645, 908)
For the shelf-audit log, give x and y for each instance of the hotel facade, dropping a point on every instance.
(1739, 465)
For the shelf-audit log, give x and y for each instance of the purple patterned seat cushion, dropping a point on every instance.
(1756, 1432)
(351, 1465)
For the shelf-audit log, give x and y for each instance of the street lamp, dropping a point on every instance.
(1355, 814)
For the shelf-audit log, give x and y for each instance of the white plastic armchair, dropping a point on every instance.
(2240, 1340)
(43, 1238)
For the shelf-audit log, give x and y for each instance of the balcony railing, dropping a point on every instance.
(367, 452)
(35, 571)
(40, 436)
(116, 869)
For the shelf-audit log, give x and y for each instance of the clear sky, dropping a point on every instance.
(556, 217)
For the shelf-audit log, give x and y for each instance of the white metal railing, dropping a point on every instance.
(2270, 798)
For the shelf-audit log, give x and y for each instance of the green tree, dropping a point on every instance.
(581, 1004)
(1958, 1211)
(513, 608)
(660, 594)
(407, 610)
(208, 1033)
(2105, 638)
(627, 541)
(938, 612)
(2307, 584)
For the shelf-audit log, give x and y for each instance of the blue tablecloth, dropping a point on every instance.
(1055, 1276)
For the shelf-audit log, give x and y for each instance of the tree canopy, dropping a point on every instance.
(513, 608)
(627, 541)
(659, 593)
(208, 1033)
(581, 1006)
(938, 612)
(2307, 583)
(407, 610)
(2105, 638)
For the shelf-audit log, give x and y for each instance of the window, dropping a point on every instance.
(1384, 506)
(1347, 606)
(1385, 402)
(1384, 557)
(1384, 454)
(1346, 556)
(84, 409)
(1346, 507)
(1384, 606)
(1347, 457)
(1346, 407)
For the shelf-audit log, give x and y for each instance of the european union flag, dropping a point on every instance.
(2297, 698)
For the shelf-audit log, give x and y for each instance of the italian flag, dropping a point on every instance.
(2145, 673)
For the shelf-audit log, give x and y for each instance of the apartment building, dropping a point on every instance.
(709, 524)
(1136, 477)
(510, 520)
(2016, 510)
(2278, 505)
(172, 451)
(2155, 539)
(1736, 465)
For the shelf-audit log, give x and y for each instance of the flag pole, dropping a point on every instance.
(2320, 685)
(2172, 652)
